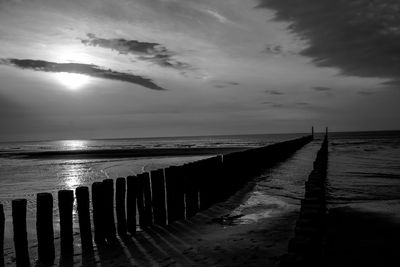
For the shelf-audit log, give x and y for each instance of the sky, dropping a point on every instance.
(82, 69)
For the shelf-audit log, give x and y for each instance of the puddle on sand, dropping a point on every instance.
(257, 207)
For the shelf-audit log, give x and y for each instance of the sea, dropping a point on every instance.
(363, 171)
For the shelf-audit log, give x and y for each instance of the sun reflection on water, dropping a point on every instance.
(74, 144)
(73, 176)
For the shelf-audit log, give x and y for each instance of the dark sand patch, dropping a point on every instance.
(362, 238)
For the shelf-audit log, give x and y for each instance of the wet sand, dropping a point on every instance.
(357, 237)
(204, 240)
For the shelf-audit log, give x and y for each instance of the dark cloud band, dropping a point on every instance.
(361, 37)
(90, 70)
(146, 51)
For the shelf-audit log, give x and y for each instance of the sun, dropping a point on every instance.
(72, 81)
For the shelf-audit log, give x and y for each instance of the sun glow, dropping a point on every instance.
(73, 144)
(72, 81)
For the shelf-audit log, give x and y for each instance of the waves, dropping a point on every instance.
(121, 153)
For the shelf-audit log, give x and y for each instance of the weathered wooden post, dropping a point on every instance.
(20, 234)
(180, 198)
(2, 223)
(175, 196)
(217, 180)
(65, 206)
(131, 203)
(98, 212)
(170, 191)
(158, 193)
(120, 190)
(204, 186)
(82, 200)
(140, 201)
(44, 227)
(148, 209)
(190, 184)
(110, 231)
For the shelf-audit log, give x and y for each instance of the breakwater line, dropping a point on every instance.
(306, 248)
(157, 198)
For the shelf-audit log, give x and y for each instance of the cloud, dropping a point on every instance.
(217, 15)
(273, 49)
(362, 38)
(393, 83)
(293, 105)
(273, 92)
(321, 88)
(273, 104)
(146, 51)
(224, 84)
(90, 70)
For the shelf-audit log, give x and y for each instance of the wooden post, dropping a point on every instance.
(2, 223)
(148, 209)
(204, 185)
(120, 205)
(217, 179)
(312, 131)
(65, 206)
(131, 203)
(158, 193)
(82, 200)
(44, 227)
(191, 190)
(110, 231)
(98, 212)
(20, 234)
(180, 198)
(175, 196)
(170, 192)
(140, 201)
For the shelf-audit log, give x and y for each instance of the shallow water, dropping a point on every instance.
(280, 188)
(364, 171)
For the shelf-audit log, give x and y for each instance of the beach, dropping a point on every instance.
(251, 206)
(254, 226)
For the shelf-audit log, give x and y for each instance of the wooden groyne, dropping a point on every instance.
(306, 248)
(159, 197)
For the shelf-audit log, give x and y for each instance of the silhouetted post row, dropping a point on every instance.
(306, 247)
